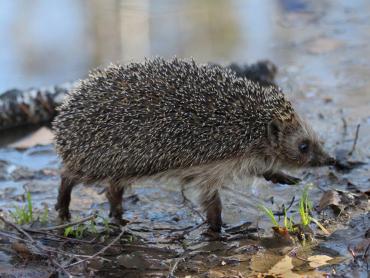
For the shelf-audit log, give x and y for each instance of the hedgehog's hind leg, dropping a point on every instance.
(114, 195)
(64, 195)
(212, 206)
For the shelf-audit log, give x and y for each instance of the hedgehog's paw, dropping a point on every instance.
(115, 213)
(280, 177)
(63, 213)
(119, 221)
(212, 235)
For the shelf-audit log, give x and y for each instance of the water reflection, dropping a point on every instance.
(42, 42)
(47, 42)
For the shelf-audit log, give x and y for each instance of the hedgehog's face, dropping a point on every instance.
(296, 145)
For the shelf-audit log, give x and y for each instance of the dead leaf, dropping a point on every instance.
(284, 267)
(22, 250)
(318, 260)
(330, 198)
(264, 262)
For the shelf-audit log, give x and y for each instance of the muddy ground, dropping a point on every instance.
(166, 229)
(325, 73)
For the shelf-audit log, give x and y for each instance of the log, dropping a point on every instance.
(31, 106)
(262, 72)
(38, 105)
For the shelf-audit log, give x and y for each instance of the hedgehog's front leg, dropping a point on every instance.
(211, 204)
(280, 177)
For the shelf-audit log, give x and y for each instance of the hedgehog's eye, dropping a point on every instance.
(303, 147)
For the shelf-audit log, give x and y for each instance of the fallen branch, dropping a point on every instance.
(19, 229)
(7, 235)
(123, 230)
(32, 106)
(37, 245)
(57, 237)
(174, 268)
(91, 217)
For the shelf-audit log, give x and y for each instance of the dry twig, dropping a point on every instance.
(174, 268)
(101, 251)
(91, 217)
(38, 245)
(187, 202)
(355, 140)
(56, 237)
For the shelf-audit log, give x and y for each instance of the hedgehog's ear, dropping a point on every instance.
(274, 129)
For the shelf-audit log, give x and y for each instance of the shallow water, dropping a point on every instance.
(321, 49)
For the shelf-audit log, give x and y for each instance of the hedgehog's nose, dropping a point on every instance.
(330, 161)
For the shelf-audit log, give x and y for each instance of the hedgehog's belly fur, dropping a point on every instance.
(208, 178)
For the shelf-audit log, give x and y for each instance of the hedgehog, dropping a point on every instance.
(160, 117)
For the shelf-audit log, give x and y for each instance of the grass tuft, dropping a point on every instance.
(83, 229)
(270, 214)
(23, 214)
(77, 231)
(305, 208)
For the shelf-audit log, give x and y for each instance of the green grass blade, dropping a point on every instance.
(30, 208)
(270, 214)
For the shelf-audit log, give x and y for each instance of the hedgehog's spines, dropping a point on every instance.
(144, 118)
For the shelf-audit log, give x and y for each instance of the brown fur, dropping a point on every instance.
(64, 196)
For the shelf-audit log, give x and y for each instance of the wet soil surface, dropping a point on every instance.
(325, 73)
(166, 230)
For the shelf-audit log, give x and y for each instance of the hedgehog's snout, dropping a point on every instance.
(331, 161)
(321, 158)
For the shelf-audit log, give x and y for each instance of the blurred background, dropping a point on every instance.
(46, 42)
